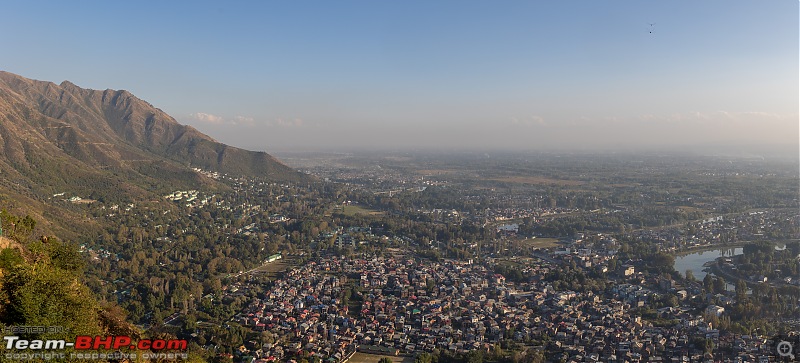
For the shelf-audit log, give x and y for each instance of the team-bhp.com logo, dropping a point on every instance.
(93, 347)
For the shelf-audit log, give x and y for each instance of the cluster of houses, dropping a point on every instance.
(518, 213)
(190, 198)
(334, 306)
(745, 226)
(209, 174)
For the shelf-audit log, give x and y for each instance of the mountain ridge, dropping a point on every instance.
(72, 114)
(107, 144)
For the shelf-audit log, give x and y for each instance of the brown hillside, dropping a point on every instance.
(104, 145)
(111, 129)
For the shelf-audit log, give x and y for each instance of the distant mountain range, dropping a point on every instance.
(107, 144)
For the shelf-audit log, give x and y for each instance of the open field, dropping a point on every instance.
(374, 358)
(430, 172)
(537, 180)
(352, 210)
(542, 242)
(511, 262)
(273, 269)
(688, 209)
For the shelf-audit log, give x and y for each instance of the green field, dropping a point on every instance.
(374, 358)
(352, 210)
(544, 242)
(273, 269)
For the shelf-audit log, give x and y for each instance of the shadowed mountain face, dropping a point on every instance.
(106, 144)
(114, 128)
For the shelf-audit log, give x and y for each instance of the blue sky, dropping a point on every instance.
(298, 75)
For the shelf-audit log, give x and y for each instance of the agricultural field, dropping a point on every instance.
(374, 358)
(542, 242)
(275, 268)
(537, 180)
(353, 210)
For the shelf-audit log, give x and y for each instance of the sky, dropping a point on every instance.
(448, 74)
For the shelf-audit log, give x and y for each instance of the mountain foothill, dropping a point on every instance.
(104, 145)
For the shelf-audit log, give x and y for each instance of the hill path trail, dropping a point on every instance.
(6, 242)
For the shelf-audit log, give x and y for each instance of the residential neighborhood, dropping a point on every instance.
(400, 305)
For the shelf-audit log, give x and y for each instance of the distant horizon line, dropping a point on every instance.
(785, 151)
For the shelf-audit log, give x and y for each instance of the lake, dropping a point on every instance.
(694, 261)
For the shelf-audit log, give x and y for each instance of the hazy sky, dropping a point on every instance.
(295, 75)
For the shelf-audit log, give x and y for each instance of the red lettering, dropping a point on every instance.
(144, 344)
(122, 341)
(106, 343)
(177, 344)
(159, 344)
(83, 342)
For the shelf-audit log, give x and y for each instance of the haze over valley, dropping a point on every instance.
(446, 76)
(426, 182)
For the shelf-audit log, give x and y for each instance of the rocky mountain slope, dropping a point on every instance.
(107, 144)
